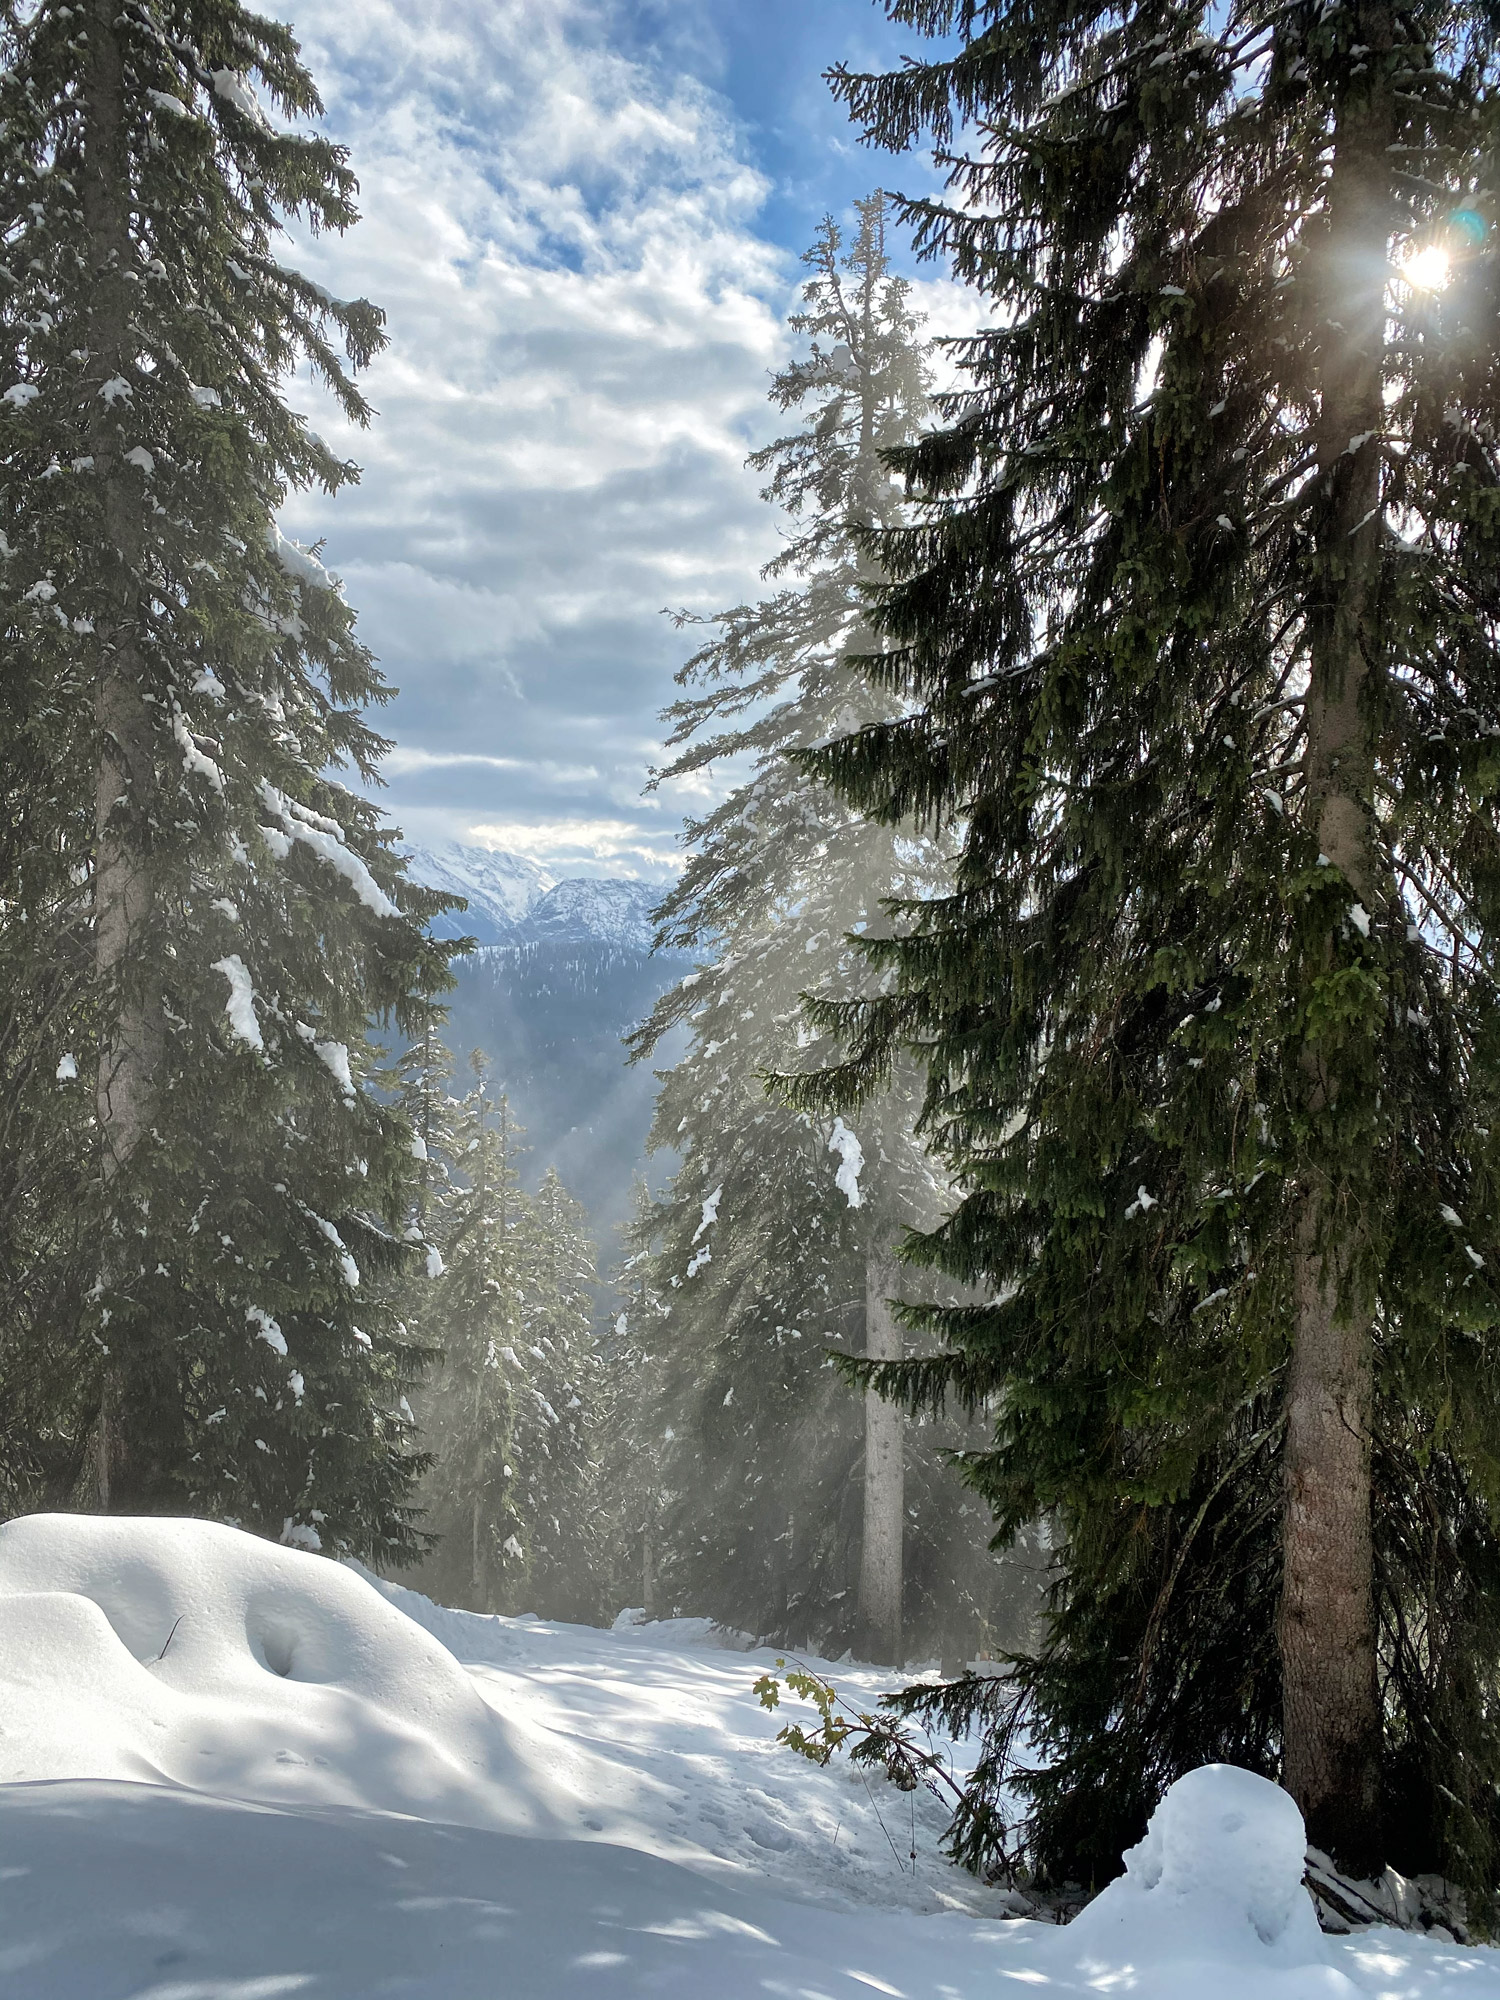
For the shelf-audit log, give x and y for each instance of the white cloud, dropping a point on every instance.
(600, 846)
(404, 759)
(582, 318)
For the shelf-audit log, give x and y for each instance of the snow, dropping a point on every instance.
(1222, 1860)
(513, 900)
(500, 888)
(297, 561)
(335, 1059)
(20, 394)
(277, 1776)
(194, 760)
(851, 1161)
(326, 838)
(240, 1006)
(266, 1329)
(346, 1263)
(710, 1212)
(581, 908)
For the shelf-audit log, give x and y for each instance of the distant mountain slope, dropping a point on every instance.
(594, 908)
(514, 901)
(563, 969)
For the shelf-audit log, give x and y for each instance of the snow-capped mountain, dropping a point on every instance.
(500, 888)
(563, 968)
(580, 908)
(514, 901)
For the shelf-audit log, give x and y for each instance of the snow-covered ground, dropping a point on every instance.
(230, 1771)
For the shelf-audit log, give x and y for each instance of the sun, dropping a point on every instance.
(1428, 269)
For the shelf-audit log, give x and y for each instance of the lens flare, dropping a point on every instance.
(1428, 269)
(1471, 226)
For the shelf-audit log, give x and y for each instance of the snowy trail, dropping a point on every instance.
(318, 1788)
(656, 1733)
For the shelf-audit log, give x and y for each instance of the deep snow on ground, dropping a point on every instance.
(234, 1771)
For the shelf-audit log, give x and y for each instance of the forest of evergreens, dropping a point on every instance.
(1072, 1257)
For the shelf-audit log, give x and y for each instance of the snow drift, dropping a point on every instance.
(277, 1776)
(187, 1653)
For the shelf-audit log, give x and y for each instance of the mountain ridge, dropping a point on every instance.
(515, 901)
(563, 968)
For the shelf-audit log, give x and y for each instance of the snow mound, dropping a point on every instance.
(1218, 1877)
(1233, 1838)
(190, 1653)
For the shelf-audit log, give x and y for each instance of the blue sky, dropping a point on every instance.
(769, 61)
(583, 218)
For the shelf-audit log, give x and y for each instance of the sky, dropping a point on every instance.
(583, 219)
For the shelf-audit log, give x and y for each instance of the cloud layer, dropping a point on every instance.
(566, 227)
(582, 317)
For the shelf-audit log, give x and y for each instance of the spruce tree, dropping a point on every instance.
(186, 684)
(46, 1359)
(1194, 643)
(473, 1314)
(787, 1513)
(557, 1503)
(634, 1429)
(507, 1412)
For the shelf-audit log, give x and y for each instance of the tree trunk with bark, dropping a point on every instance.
(478, 1591)
(880, 1568)
(126, 779)
(1331, 1706)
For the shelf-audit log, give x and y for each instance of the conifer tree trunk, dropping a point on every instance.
(1331, 1707)
(880, 1564)
(476, 1518)
(125, 781)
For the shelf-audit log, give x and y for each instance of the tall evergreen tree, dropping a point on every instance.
(473, 1315)
(557, 1510)
(184, 683)
(1195, 642)
(788, 1514)
(635, 1432)
(46, 1360)
(507, 1412)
